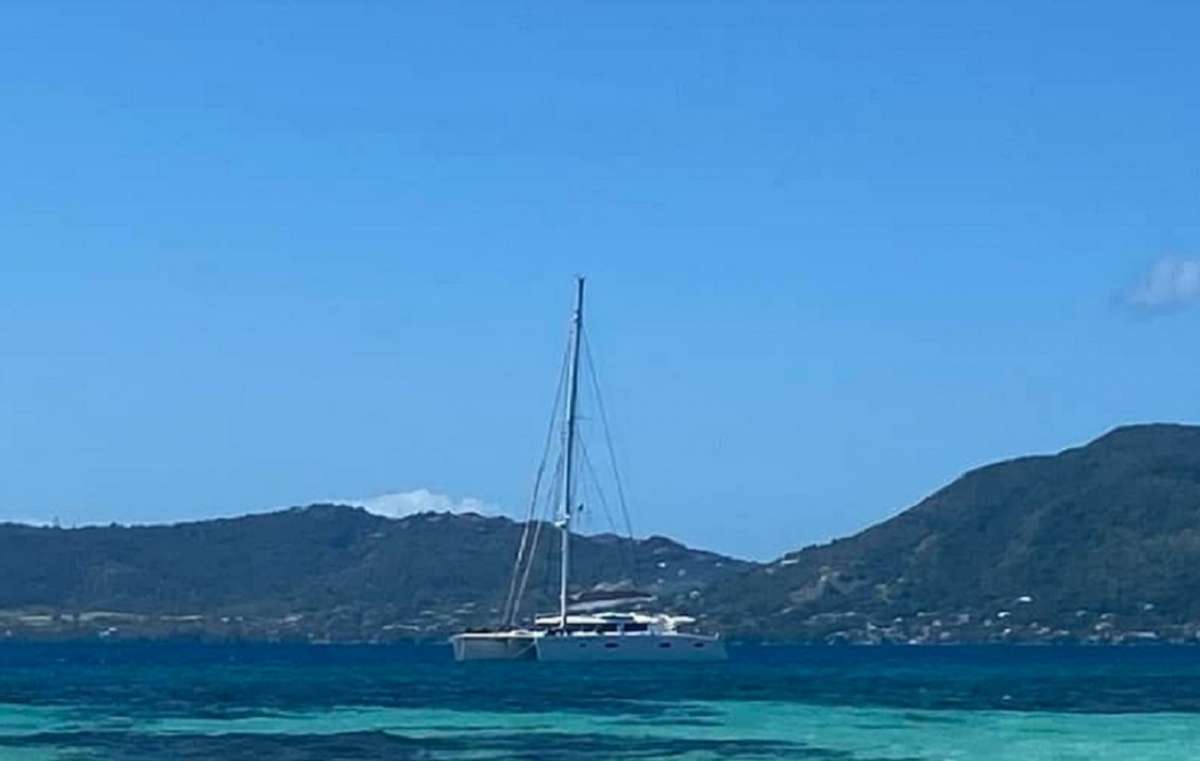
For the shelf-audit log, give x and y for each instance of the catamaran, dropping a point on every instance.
(584, 629)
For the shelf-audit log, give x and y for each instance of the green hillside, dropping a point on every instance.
(1098, 543)
(319, 572)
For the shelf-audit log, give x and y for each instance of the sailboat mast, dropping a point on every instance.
(569, 448)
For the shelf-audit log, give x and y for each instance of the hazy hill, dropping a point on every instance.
(1099, 542)
(322, 571)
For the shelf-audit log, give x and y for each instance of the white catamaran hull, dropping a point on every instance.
(638, 647)
(494, 646)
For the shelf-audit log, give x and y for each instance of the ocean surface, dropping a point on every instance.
(131, 702)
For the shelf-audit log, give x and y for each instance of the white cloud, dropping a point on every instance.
(1170, 283)
(401, 503)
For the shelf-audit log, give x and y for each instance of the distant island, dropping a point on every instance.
(1098, 544)
(324, 573)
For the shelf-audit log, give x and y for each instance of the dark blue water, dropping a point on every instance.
(186, 701)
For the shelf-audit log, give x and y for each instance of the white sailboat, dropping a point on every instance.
(586, 633)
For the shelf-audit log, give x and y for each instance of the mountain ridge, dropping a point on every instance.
(319, 572)
(1094, 543)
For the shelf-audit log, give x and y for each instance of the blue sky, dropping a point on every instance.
(254, 255)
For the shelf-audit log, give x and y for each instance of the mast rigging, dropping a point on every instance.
(567, 508)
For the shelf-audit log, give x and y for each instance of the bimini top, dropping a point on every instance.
(611, 618)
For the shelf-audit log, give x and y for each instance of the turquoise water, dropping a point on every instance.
(154, 701)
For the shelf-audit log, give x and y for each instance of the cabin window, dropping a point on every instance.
(611, 645)
(698, 644)
(664, 644)
(608, 628)
(636, 628)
